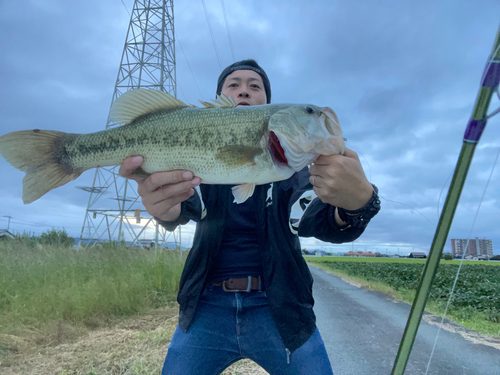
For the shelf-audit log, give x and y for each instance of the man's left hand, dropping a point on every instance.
(339, 180)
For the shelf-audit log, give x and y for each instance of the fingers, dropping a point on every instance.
(167, 192)
(182, 180)
(163, 192)
(351, 154)
(168, 209)
(128, 166)
(316, 181)
(324, 160)
(317, 169)
(312, 179)
(340, 180)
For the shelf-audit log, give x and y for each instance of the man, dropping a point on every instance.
(246, 291)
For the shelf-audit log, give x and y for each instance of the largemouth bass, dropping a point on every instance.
(220, 143)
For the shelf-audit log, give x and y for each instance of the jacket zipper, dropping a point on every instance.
(287, 356)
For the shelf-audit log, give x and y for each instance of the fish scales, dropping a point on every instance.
(184, 139)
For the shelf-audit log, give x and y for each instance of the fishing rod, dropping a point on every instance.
(473, 132)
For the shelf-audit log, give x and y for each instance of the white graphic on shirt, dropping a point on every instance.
(269, 199)
(299, 209)
(203, 208)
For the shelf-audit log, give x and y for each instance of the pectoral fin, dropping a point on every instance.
(237, 156)
(242, 192)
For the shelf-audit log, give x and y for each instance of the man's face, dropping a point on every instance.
(245, 87)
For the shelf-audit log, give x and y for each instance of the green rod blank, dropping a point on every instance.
(476, 126)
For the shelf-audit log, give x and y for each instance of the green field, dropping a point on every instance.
(475, 302)
(395, 260)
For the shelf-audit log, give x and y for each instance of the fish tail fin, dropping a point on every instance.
(38, 153)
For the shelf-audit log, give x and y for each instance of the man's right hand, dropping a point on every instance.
(162, 192)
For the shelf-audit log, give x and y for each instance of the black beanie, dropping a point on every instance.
(246, 65)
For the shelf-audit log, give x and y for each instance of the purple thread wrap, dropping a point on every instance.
(492, 76)
(474, 130)
(491, 79)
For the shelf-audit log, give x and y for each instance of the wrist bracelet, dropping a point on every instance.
(360, 217)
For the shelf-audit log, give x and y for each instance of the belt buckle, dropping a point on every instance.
(247, 290)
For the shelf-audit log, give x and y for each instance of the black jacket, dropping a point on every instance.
(287, 279)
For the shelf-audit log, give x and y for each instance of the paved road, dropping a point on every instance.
(362, 331)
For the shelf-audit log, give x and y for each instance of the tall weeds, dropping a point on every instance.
(43, 283)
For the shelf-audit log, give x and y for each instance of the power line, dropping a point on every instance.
(32, 223)
(211, 34)
(227, 29)
(182, 92)
(125, 8)
(189, 66)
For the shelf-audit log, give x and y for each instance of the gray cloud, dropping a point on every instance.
(402, 78)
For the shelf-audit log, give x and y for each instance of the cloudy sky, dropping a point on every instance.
(402, 77)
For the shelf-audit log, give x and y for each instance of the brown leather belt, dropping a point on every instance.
(245, 284)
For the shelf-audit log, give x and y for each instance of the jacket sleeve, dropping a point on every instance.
(191, 209)
(319, 221)
(309, 217)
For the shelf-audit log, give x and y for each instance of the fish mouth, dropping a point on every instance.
(334, 137)
(303, 149)
(331, 119)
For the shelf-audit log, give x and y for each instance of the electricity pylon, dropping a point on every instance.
(114, 210)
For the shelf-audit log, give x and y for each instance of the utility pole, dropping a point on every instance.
(8, 223)
(148, 61)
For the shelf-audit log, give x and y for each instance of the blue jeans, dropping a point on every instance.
(228, 327)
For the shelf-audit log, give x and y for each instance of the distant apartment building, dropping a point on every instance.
(476, 247)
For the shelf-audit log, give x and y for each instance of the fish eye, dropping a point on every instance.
(310, 110)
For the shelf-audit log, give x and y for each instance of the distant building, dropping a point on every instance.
(360, 254)
(475, 248)
(4, 233)
(417, 254)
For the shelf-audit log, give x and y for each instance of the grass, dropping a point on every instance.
(468, 317)
(134, 345)
(108, 310)
(124, 346)
(43, 284)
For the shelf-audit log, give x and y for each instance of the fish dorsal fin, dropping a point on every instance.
(222, 102)
(135, 103)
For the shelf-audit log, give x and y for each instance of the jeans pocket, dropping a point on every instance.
(207, 292)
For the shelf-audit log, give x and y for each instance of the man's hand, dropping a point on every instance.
(339, 180)
(162, 192)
